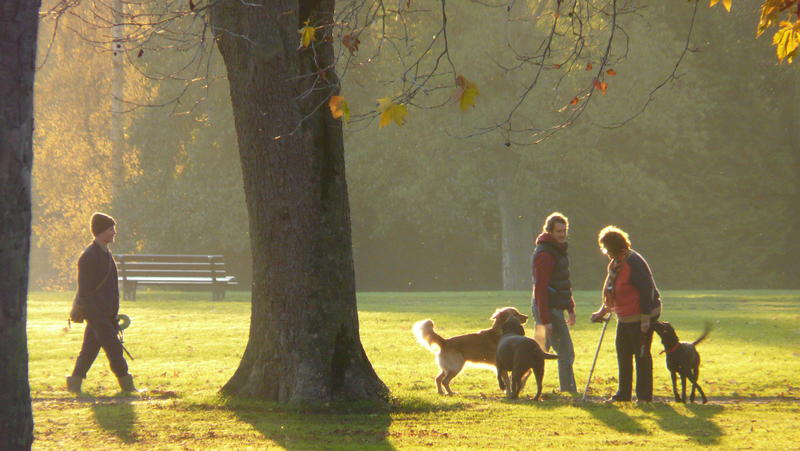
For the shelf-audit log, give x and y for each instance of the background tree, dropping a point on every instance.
(281, 78)
(19, 24)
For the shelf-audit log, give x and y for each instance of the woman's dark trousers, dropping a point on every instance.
(100, 334)
(629, 348)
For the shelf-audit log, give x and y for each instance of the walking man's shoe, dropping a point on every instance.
(126, 384)
(74, 384)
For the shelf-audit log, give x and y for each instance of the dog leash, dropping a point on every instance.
(123, 321)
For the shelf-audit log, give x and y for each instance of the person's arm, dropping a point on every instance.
(598, 315)
(87, 281)
(543, 266)
(571, 312)
(642, 279)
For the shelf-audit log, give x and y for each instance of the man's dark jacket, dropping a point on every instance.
(97, 283)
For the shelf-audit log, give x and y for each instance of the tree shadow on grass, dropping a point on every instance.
(116, 416)
(334, 427)
(697, 427)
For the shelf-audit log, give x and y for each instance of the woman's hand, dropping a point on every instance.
(571, 319)
(645, 324)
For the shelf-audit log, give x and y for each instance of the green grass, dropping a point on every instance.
(187, 347)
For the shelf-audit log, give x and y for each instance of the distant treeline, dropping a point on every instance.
(706, 180)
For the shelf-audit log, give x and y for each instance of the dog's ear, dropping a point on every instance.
(500, 314)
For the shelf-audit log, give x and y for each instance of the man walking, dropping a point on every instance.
(98, 292)
(552, 295)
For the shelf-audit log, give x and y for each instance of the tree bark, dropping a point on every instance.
(516, 235)
(18, 31)
(304, 343)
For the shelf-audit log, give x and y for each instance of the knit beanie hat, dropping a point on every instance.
(101, 222)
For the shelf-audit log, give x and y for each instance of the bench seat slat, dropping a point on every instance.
(144, 279)
(175, 270)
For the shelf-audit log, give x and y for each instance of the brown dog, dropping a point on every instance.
(519, 354)
(454, 352)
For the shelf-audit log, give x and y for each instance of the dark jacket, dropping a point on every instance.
(551, 283)
(635, 289)
(97, 283)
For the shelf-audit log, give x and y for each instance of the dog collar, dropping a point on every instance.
(672, 349)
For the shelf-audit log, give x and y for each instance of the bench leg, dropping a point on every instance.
(218, 294)
(129, 291)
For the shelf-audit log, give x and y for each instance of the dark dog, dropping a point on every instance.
(519, 354)
(682, 358)
(454, 352)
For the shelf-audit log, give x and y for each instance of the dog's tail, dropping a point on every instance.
(704, 335)
(423, 330)
(539, 350)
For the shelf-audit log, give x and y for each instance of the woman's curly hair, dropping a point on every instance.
(613, 240)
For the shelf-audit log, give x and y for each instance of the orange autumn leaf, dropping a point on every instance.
(600, 86)
(556, 66)
(589, 66)
(611, 72)
(574, 101)
(351, 43)
(339, 108)
(466, 92)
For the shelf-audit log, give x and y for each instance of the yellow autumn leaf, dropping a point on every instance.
(770, 10)
(786, 40)
(308, 34)
(725, 3)
(466, 92)
(339, 108)
(391, 111)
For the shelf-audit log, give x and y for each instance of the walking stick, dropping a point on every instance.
(596, 353)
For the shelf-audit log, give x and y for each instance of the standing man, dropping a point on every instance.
(552, 295)
(98, 292)
(631, 293)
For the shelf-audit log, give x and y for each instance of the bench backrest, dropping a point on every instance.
(156, 265)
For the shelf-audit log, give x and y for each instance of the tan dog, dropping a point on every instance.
(478, 347)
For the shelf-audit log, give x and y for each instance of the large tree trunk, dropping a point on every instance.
(304, 343)
(516, 236)
(18, 27)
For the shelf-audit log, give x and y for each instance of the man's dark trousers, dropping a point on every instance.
(629, 347)
(100, 334)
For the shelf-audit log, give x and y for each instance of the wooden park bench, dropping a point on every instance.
(180, 271)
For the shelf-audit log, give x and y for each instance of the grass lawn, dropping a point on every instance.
(186, 347)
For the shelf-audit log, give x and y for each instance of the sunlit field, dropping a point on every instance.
(186, 347)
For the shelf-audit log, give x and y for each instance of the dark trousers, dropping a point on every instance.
(629, 346)
(100, 334)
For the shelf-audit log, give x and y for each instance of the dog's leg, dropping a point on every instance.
(694, 378)
(516, 377)
(538, 371)
(683, 384)
(674, 375)
(502, 380)
(446, 381)
(451, 364)
(439, 380)
(524, 379)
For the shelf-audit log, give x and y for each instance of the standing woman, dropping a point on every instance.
(630, 292)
